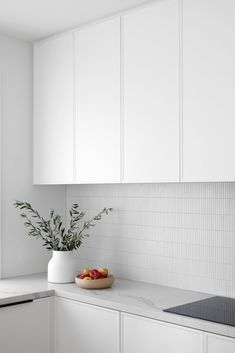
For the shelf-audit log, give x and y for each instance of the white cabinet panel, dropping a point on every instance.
(85, 328)
(150, 336)
(216, 344)
(208, 90)
(151, 93)
(98, 103)
(53, 111)
(25, 328)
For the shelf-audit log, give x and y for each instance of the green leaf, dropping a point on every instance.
(51, 231)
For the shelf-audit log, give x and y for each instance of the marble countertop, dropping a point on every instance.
(132, 297)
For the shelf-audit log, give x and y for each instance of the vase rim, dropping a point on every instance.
(64, 251)
(59, 253)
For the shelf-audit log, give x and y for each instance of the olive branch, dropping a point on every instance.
(52, 232)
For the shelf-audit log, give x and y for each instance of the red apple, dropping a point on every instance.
(94, 274)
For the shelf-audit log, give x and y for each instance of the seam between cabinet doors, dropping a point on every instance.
(121, 100)
(120, 332)
(55, 324)
(205, 343)
(181, 161)
(74, 112)
(51, 317)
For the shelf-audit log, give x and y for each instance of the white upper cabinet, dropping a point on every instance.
(53, 111)
(148, 97)
(208, 90)
(97, 67)
(151, 93)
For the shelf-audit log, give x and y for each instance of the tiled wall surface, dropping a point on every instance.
(180, 235)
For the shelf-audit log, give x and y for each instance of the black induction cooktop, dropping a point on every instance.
(215, 309)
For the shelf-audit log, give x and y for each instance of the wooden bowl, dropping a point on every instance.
(100, 283)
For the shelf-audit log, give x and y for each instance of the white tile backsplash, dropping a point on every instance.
(181, 235)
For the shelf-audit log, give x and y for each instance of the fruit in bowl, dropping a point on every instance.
(94, 273)
(95, 279)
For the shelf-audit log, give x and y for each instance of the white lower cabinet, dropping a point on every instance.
(83, 328)
(219, 344)
(25, 327)
(150, 336)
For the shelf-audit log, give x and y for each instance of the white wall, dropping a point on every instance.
(180, 235)
(20, 255)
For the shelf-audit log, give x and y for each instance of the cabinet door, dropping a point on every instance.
(98, 103)
(25, 328)
(150, 336)
(85, 328)
(151, 93)
(53, 111)
(217, 344)
(208, 90)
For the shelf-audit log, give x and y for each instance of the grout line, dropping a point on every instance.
(164, 212)
(154, 254)
(119, 263)
(160, 241)
(67, 206)
(168, 227)
(189, 198)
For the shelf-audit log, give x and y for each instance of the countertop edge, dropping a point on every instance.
(27, 296)
(131, 297)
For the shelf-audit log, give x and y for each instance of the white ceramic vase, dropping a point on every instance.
(62, 268)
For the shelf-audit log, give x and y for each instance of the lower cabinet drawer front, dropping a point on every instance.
(216, 344)
(25, 327)
(141, 335)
